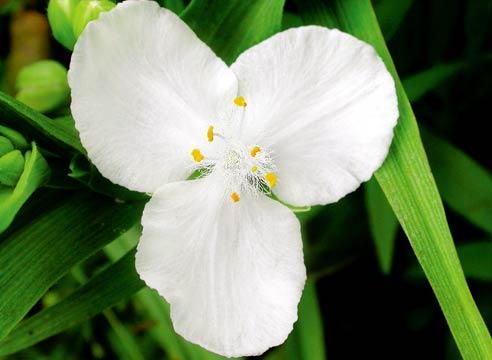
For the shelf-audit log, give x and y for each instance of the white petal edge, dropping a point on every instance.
(325, 104)
(144, 90)
(233, 273)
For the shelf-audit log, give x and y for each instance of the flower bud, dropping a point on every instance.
(15, 137)
(11, 167)
(60, 16)
(6, 145)
(88, 10)
(43, 85)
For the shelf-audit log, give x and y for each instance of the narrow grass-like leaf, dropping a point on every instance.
(475, 258)
(124, 342)
(116, 283)
(33, 258)
(383, 224)
(409, 186)
(47, 132)
(176, 6)
(419, 84)
(390, 14)
(465, 185)
(231, 26)
(35, 173)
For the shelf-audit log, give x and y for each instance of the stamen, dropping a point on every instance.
(255, 150)
(210, 133)
(254, 168)
(240, 101)
(271, 178)
(235, 197)
(197, 155)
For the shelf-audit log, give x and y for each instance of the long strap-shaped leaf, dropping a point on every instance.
(36, 256)
(231, 26)
(60, 135)
(409, 186)
(114, 284)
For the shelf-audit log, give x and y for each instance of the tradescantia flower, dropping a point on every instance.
(306, 115)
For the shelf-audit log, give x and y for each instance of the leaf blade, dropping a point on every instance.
(37, 255)
(231, 26)
(382, 223)
(409, 186)
(52, 133)
(115, 283)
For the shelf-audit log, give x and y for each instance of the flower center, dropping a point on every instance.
(245, 168)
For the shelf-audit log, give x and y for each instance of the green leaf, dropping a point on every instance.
(390, 14)
(47, 132)
(290, 20)
(117, 282)
(176, 6)
(124, 343)
(475, 259)
(231, 26)
(465, 185)
(419, 84)
(33, 258)
(11, 166)
(409, 186)
(35, 173)
(383, 224)
(307, 340)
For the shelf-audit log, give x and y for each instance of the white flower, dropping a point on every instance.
(307, 114)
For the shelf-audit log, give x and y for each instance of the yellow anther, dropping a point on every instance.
(210, 133)
(255, 151)
(271, 178)
(254, 168)
(235, 197)
(240, 101)
(197, 155)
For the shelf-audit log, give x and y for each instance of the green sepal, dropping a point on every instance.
(60, 16)
(88, 10)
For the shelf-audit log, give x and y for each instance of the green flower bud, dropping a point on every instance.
(43, 85)
(15, 137)
(60, 15)
(88, 10)
(11, 167)
(5, 146)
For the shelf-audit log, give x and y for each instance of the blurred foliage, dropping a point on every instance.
(365, 289)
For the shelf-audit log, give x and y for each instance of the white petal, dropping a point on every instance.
(144, 91)
(232, 272)
(325, 104)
